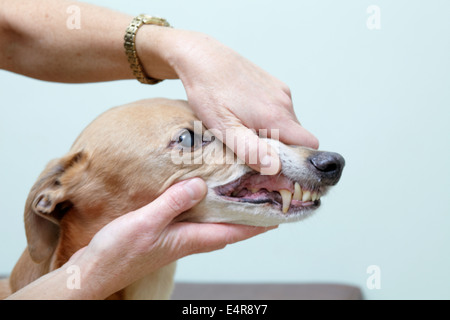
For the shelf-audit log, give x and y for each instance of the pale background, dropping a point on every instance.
(379, 97)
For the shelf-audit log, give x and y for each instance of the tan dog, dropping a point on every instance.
(128, 156)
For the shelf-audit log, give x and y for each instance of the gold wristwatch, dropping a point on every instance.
(130, 45)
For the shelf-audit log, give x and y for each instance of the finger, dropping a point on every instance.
(175, 200)
(255, 152)
(292, 133)
(206, 237)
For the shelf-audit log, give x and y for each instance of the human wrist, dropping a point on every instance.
(169, 53)
(72, 281)
(154, 46)
(101, 275)
(81, 280)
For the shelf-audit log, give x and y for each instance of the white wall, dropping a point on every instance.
(379, 97)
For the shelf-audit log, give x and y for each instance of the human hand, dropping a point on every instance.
(229, 94)
(145, 240)
(232, 95)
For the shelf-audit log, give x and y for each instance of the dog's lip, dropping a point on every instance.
(278, 191)
(295, 206)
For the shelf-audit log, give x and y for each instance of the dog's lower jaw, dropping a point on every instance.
(259, 215)
(155, 286)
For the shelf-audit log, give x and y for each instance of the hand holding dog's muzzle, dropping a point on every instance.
(231, 94)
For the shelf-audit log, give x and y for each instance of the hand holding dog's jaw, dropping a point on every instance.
(141, 242)
(227, 92)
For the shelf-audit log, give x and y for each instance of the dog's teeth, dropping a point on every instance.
(314, 196)
(254, 190)
(297, 192)
(306, 196)
(286, 197)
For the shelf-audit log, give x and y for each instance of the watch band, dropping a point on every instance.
(130, 45)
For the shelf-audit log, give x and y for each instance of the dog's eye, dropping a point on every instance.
(189, 140)
(186, 139)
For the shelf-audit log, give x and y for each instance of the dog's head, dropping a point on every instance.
(129, 155)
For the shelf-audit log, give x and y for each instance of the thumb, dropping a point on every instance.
(255, 152)
(175, 200)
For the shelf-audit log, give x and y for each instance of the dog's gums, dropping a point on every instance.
(279, 191)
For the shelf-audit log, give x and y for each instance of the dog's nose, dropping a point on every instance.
(328, 166)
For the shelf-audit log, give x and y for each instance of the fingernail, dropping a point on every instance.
(266, 161)
(195, 187)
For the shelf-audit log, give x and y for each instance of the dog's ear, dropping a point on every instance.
(48, 201)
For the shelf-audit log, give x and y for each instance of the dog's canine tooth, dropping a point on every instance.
(297, 192)
(306, 196)
(286, 197)
(314, 196)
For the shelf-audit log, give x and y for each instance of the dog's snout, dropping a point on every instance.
(328, 166)
(326, 161)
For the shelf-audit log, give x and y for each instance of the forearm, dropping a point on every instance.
(37, 41)
(61, 284)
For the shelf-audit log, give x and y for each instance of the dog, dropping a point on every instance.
(131, 154)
